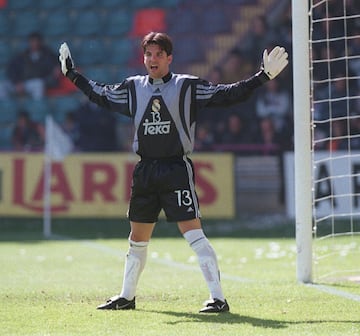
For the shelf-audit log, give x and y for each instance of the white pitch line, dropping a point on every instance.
(166, 262)
(186, 267)
(334, 291)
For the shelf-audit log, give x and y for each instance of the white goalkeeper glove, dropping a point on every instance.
(274, 62)
(65, 59)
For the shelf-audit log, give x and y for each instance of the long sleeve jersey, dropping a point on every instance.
(164, 111)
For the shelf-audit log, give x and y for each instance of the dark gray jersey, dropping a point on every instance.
(164, 111)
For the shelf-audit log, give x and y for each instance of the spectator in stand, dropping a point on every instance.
(283, 28)
(339, 136)
(354, 62)
(319, 138)
(340, 90)
(233, 65)
(97, 128)
(353, 8)
(216, 75)
(354, 125)
(355, 133)
(273, 102)
(32, 71)
(269, 137)
(27, 134)
(204, 137)
(236, 131)
(257, 39)
(71, 127)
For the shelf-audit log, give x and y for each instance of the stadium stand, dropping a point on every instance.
(82, 4)
(179, 23)
(60, 106)
(4, 53)
(87, 23)
(23, 22)
(8, 110)
(90, 51)
(50, 5)
(118, 23)
(20, 4)
(4, 24)
(148, 19)
(120, 51)
(99, 73)
(110, 3)
(57, 22)
(215, 21)
(139, 4)
(5, 136)
(187, 49)
(38, 109)
(8, 113)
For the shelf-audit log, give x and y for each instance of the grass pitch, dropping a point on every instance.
(52, 287)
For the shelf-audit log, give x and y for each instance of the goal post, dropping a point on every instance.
(302, 139)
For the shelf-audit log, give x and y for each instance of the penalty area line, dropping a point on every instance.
(337, 292)
(166, 262)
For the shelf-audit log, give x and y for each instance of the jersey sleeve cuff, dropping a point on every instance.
(72, 75)
(262, 76)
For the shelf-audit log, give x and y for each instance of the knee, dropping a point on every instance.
(193, 224)
(141, 231)
(134, 237)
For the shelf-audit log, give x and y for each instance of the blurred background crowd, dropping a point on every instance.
(220, 41)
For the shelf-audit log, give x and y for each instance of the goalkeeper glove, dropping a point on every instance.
(67, 64)
(274, 62)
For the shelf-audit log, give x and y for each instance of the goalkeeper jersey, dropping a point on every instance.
(164, 111)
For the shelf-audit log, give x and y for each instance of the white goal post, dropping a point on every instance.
(302, 139)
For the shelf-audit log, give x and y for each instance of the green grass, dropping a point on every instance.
(52, 287)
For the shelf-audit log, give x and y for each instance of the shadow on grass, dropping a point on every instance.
(232, 318)
(226, 318)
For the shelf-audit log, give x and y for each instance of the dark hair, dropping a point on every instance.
(161, 39)
(35, 35)
(23, 114)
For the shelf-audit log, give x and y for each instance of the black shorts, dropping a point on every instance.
(166, 184)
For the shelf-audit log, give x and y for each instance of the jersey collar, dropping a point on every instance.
(163, 80)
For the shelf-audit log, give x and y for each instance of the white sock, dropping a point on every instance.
(207, 260)
(134, 265)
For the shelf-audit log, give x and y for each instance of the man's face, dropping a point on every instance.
(156, 61)
(34, 43)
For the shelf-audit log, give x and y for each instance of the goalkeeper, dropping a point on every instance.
(164, 107)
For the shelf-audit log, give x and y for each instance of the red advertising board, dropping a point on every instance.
(98, 185)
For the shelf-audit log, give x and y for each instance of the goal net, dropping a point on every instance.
(335, 115)
(334, 76)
